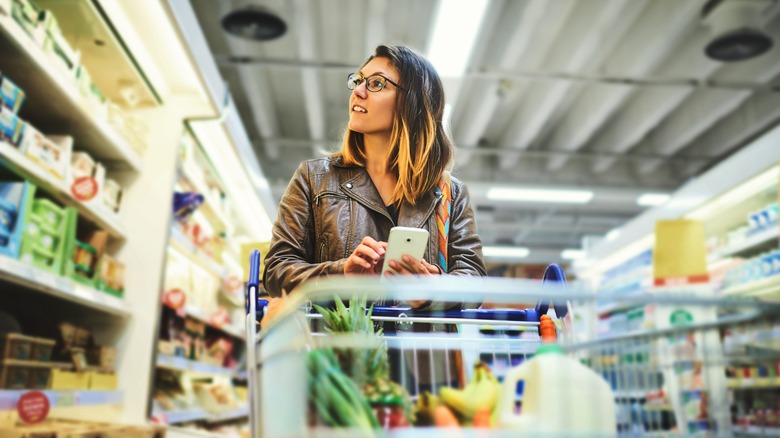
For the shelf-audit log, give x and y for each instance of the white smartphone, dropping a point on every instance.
(404, 240)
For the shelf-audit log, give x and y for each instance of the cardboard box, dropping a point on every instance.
(61, 379)
(102, 381)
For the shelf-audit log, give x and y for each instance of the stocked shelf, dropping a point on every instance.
(26, 168)
(198, 414)
(754, 383)
(61, 287)
(188, 249)
(54, 104)
(759, 239)
(182, 364)
(765, 288)
(201, 316)
(59, 399)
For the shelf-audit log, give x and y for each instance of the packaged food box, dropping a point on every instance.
(12, 96)
(103, 357)
(16, 346)
(112, 194)
(51, 154)
(81, 164)
(11, 126)
(24, 374)
(28, 16)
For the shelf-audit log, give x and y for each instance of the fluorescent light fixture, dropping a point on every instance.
(539, 195)
(652, 199)
(455, 31)
(572, 254)
(505, 252)
(613, 234)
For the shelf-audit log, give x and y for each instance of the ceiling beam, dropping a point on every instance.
(310, 80)
(595, 32)
(598, 104)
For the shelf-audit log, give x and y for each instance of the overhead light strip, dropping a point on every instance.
(455, 32)
(539, 195)
(505, 252)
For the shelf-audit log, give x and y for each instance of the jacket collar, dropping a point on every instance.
(360, 187)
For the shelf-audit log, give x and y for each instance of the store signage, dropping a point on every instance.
(33, 407)
(84, 188)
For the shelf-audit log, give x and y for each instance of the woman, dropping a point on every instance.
(337, 212)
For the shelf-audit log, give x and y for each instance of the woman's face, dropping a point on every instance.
(372, 112)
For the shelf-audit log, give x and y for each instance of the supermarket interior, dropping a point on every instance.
(622, 165)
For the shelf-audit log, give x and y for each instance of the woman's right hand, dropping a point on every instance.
(366, 258)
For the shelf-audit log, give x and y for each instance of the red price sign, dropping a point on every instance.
(33, 407)
(84, 188)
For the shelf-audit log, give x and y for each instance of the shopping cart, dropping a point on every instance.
(692, 364)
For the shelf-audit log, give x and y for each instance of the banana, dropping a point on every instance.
(426, 405)
(480, 393)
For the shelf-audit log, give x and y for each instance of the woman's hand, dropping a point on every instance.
(366, 258)
(416, 267)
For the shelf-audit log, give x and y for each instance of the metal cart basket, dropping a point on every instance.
(675, 362)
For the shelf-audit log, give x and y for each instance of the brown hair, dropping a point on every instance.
(419, 148)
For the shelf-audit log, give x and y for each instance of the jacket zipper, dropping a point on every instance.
(337, 195)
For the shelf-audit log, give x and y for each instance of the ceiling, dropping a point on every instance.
(613, 96)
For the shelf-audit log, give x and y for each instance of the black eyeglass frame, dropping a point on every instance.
(363, 78)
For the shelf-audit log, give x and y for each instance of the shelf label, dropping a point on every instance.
(33, 407)
(66, 399)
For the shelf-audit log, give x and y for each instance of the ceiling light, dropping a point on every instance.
(254, 23)
(572, 254)
(613, 234)
(539, 195)
(505, 252)
(455, 31)
(652, 199)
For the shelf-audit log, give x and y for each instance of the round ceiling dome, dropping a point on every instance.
(738, 45)
(254, 23)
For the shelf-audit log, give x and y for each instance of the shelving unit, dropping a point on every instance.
(53, 102)
(60, 287)
(29, 170)
(192, 415)
(181, 364)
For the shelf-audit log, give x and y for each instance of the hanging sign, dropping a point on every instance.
(33, 407)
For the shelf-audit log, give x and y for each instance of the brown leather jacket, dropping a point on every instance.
(329, 207)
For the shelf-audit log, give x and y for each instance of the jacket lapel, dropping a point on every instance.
(417, 215)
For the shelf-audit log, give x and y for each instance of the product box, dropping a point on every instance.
(101, 381)
(11, 126)
(62, 379)
(51, 153)
(28, 16)
(111, 276)
(14, 200)
(102, 357)
(12, 96)
(86, 180)
(112, 195)
(43, 241)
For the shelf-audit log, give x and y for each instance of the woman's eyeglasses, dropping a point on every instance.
(374, 83)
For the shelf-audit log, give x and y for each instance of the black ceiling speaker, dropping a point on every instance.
(254, 23)
(736, 29)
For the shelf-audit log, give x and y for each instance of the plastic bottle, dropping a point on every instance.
(560, 396)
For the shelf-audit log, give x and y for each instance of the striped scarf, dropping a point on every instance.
(443, 218)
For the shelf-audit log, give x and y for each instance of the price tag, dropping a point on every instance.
(66, 399)
(82, 292)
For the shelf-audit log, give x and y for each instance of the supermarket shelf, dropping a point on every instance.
(756, 240)
(58, 286)
(619, 306)
(201, 316)
(53, 102)
(199, 414)
(188, 249)
(768, 287)
(64, 398)
(182, 364)
(28, 169)
(754, 383)
(756, 431)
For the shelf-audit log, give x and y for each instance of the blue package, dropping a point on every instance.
(10, 125)
(12, 95)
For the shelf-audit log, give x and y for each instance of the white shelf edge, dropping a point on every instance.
(68, 89)
(63, 398)
(759, 288)
(180, 243)
(200, 414)
(198, 314)
(182, 364)
(771, 232)
(30, 170)
(61, 287)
